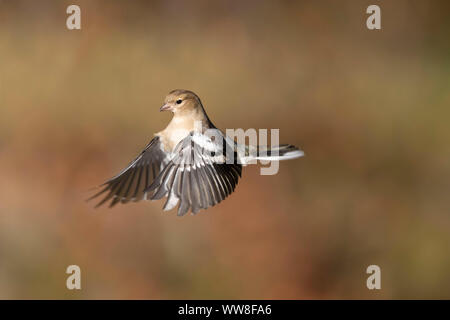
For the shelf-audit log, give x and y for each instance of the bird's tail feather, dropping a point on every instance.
(276, 153)
(281, 152)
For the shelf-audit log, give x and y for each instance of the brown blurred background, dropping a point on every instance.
(370, 109)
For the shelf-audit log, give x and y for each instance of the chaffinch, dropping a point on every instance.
(190, 162)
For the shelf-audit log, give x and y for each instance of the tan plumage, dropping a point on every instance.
(185, 165)
(185, 117)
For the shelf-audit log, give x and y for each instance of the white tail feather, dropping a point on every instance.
(287, 156)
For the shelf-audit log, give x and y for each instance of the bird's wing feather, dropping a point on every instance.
(198, 175)
(130, 183)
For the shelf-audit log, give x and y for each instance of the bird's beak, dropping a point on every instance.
(165, 107)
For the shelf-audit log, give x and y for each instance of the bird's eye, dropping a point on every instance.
(179, 101)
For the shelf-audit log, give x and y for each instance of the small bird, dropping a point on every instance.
(194, 170)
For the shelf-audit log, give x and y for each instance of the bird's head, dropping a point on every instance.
(181, 101)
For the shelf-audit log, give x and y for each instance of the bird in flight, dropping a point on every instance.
(191, 162)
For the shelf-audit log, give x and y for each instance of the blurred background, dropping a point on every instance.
(370, 109)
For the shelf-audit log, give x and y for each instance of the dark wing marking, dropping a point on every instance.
(198, 176)
(130, 183)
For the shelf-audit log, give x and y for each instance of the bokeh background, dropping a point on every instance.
(370, 109)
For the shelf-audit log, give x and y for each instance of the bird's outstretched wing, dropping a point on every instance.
(198, 175)
(130, 183)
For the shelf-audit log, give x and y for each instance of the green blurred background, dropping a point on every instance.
(370, 109)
